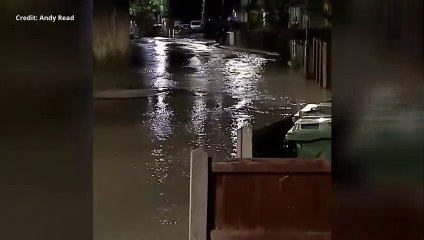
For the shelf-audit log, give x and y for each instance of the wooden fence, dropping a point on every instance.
(259, 198)
(321, 63)
(319, 60)
(249, 199)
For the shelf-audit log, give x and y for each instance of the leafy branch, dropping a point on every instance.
(140, 6)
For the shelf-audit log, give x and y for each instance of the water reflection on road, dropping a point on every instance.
(142, 147)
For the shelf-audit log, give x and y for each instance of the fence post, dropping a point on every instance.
(244, 142)
(324, 65)
(316, 60)
(319, 72)
(314, 56)
(199, 175)
(329, 60)
(311, 60)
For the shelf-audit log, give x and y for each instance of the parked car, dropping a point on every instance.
(196, 25)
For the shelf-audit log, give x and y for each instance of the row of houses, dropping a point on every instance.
(310, 44)
(305, 23)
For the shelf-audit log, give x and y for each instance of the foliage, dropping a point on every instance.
(143, 6)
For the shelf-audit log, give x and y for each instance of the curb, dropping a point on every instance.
(125, 93)
(249, 50)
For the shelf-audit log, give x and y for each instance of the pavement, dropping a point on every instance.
(125, 93)
(247, 50)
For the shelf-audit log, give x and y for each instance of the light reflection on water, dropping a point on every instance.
(198, 118)
(225, 104)
(162, 78)
(242, 76)
(159, 120)
(203, 108)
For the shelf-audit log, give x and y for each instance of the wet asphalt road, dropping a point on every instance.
(142, 146)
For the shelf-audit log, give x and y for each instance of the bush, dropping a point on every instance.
(145, 22)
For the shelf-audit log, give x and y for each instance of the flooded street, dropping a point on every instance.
(142, 146)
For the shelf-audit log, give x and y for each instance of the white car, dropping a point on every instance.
(196, 25)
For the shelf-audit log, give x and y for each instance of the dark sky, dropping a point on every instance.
(187, 10)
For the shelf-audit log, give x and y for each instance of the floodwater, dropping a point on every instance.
(142, 146)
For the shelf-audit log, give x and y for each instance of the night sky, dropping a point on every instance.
(187, 10)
